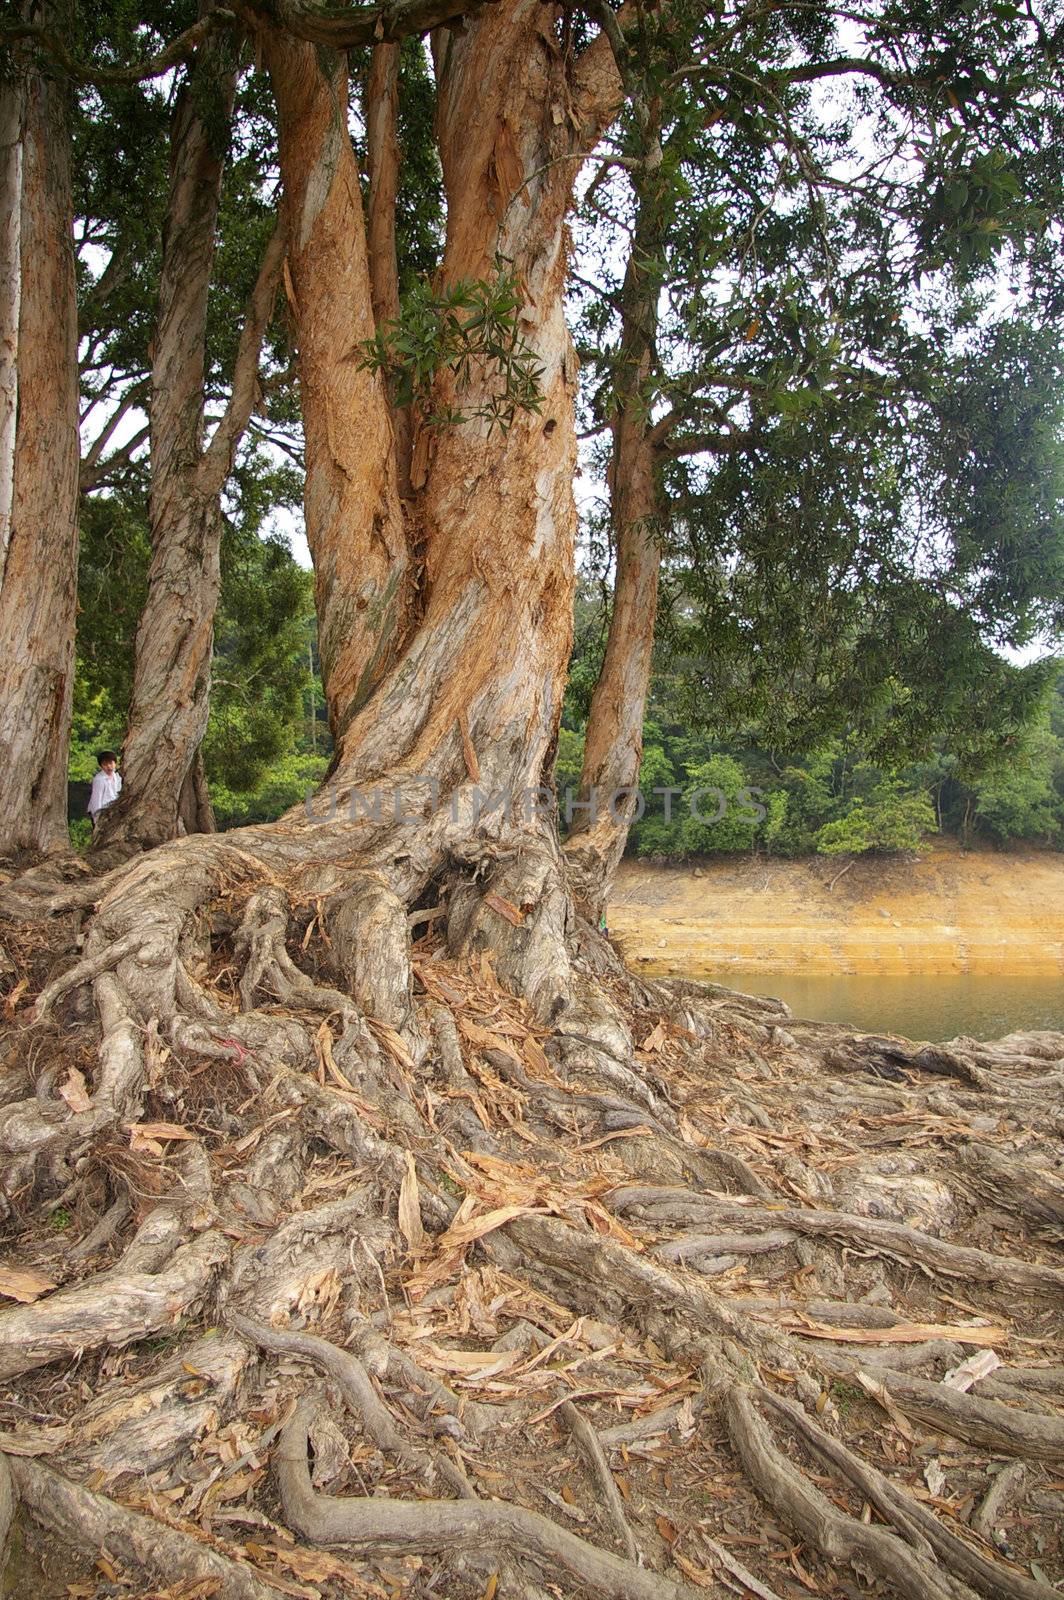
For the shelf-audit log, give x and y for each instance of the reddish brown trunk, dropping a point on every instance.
(382, 170)
(613, 748)
(10, 291)
(38, 597)
(496, 511)
(354, 521)
(475, 693)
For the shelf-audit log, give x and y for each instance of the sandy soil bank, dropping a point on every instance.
(948, 911)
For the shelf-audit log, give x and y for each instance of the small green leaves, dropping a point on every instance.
(470, 330)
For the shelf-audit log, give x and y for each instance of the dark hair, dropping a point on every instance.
(105, 755)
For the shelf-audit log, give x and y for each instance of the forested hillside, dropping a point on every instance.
(842, 795)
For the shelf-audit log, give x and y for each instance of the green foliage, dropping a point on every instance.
(859, 433)
(1025, 800)
(718, 814)
(891, 819)
(1002, 783)
(263, 663)
(286, 783)
(568, 762)
(471, 330)
(80, 831)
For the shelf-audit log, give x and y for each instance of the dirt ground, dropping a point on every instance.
(950, 911)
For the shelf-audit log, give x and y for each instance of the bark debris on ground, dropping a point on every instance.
(334, 1266)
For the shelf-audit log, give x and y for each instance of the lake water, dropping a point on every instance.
(931, 1008)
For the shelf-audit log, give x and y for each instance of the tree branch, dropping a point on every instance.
(343, 27)
(179, 49)
(698, 444)
(131, 398)
(92, 475)
(218, 457)
(843, 66)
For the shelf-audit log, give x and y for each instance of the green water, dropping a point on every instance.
(932, 1008)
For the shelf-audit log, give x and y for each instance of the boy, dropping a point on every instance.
(106, 785)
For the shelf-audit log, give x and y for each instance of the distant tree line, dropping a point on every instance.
(841, 796)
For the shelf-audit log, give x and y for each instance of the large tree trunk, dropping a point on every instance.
(450, 690)
(172, 662)
(164, 787)
(10, 291)
(39, 592)
(382, 171)
(477, 692)
(354, 521)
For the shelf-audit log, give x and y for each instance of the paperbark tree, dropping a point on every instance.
(502, 1060)
(382, 172)
(39, 588)
(164, 786)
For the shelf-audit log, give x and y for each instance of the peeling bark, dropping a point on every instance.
(477, 694)
(354, 521)
(39, 593)
(614, 746)
(10, 293)
(382, 170)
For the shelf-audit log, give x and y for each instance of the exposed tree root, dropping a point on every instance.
(356, 1386)
(588, 1441)
(112, 1309)
(872, 1551)
(398, 1527)
(1003, 1429)
(609, 1269)
(920, 1526)
(889, 1238)
(93, 1521)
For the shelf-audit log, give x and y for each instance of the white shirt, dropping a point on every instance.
(106, 787)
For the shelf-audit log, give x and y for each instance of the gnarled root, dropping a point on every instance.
(90, 1521)
(556, 1235)
(402, 1527)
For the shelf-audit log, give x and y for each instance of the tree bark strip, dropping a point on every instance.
(10, 293)
(382, 170)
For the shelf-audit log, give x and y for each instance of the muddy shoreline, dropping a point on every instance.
(950, 911)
